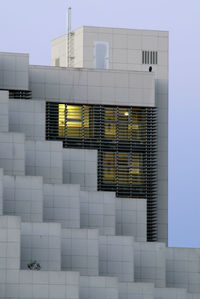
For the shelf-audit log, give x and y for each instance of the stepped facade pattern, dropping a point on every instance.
(89, 243)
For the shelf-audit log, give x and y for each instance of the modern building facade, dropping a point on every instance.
(136, 126)
(83, 172)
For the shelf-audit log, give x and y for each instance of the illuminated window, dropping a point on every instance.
(138, 125)
(124, 128)
(85, 121)
(109, 169)
(125, 139)
(88, 121)
(61, 120)
(74, 121)
(136, 168)
(122, 168)
(110, 122)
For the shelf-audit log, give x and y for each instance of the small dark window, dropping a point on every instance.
(57, 62)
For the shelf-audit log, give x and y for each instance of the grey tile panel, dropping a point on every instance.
(23, 196)
(128, 290)
(62, 204)
(172, 293)
(44, 158)
(80, 251)
(150, 263)
(14, 71)
(4, 123)
(182, 268)
(80, 167)
(28, 117)
(98, 287)
(97, 210)
(41, 242)
(116, 257)
(131, 218)
(12, 153)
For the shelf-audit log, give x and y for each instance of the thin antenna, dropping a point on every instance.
(69, 38)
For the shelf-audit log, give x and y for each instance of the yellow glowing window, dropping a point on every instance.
(124, 130)
(109, 173)
(123, 114)
(86, 116)
(61, 120)
(135, 127)
(74, 121)
(110, 130)
(110, 114)
(88, 121)
(110, 122)
(73, 112)
(123, 123)
(138, 124)
(135, 164)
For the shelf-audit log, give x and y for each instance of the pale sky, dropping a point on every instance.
(28, 26)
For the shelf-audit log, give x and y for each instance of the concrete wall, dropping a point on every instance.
(46, 284)
(131, 218)
(165, 293)
(41, 242)
(16, 283)
(59, 48)
(62, 205)
(27, 117)
(9, 255)
(92, 86)
(80, 167)
(44, 158)
(136, 290)
(23, 196)
(149, 263)
(183, 269)
(98, 287)
(14, 71)
(80, 251)
(12, 154)
(97, 210)
(116, 257)
(1, 192)
(4, 111)
(192, 296)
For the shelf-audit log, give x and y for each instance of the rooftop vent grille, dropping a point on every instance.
(149, 57)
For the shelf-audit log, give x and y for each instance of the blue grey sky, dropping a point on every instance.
(28, 26)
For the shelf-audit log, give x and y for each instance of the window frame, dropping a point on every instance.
(106, 57)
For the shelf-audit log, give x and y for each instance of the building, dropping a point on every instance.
(132, 153)
(83, 172)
